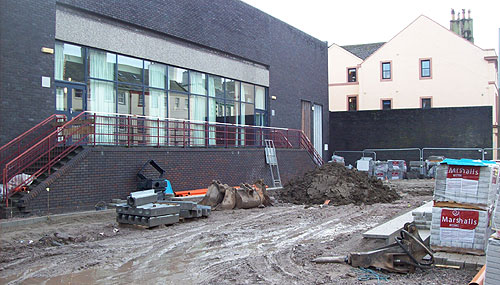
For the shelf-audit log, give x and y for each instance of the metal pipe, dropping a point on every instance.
(479, 278)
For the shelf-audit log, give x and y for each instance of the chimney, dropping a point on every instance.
(462, 26)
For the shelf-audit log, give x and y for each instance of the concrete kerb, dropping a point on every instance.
(35, 220)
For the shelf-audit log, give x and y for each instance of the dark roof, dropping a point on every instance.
(363, 51)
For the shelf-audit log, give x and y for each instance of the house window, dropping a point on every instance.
(352, 103)
(386, 70)
(426, 103)
(386, 104)
(352, 75)
(425, 68)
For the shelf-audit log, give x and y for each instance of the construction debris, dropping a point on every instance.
(222, 197)
(342, 186)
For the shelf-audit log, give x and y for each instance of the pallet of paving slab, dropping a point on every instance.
(457, 250)
(449, 204)
(147, 221)
(148, 210)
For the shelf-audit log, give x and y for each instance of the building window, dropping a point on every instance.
(426, 103)
(386, 104)
(386, 71)
(425, 68)
(352, 103)
(352, 75)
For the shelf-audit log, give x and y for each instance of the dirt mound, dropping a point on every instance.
(338, 184)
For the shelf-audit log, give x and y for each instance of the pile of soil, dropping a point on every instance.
(340, 185)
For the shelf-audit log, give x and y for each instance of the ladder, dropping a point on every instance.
(272, 160)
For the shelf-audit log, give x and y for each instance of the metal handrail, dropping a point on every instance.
(34, 154)
(94, 129)
(19, 145)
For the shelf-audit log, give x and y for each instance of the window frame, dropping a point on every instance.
(382, 70)
(422, 102)
(420, 68)
(356, 74)
(357, 102)
(382, 103)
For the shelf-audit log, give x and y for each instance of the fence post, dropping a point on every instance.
(158, 131)
(95, 127)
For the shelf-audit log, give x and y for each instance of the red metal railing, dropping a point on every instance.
(127, 130)
(24, 141)
(40, 157)
(306, 144)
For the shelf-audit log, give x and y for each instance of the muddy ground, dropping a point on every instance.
(259, 246)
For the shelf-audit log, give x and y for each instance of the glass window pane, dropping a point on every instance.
(232, 89)
(247, 114)
(425, 64)
(220, 110)
(102, 64)
(62, 99)
(351, 75)
(69, 62)
(101, 96)
(247, 92)
(130, 100)
(129, 69)
(177, 79)
(178, 108)
(156, 103)
(155, 74)
(215, 86)
(77, 99)
(232, 112)
(198, 83)
(198, 112)
(260, 98)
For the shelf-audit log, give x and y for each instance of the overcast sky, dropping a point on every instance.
(367, 21)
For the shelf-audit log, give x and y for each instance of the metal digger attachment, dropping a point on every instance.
(222, 197)
(407, 253)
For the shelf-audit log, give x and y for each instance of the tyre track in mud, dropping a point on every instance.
(256, 246)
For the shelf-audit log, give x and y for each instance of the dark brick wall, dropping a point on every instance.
(104, 173)
(298, 63)
(436, 127)
(25, 27)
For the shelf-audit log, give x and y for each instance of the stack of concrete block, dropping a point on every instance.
(149, 215)
(475, 185)
(459, 230)
(464, 194)
(422, 218)
(396, 169)
(380, 169)
(492, 275)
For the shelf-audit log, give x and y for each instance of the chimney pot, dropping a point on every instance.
(468, 14)
(463, 14)
(452, 14)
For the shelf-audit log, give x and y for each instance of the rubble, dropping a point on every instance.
(342, 186)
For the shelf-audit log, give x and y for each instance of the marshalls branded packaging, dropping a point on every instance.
(467, 181)
(460, 230)
(380, 170)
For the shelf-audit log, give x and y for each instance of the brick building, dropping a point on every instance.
(214, 62)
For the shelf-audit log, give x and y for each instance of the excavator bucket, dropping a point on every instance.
(260, 187)
(247, 197)
(214, 195)
(229, 201)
